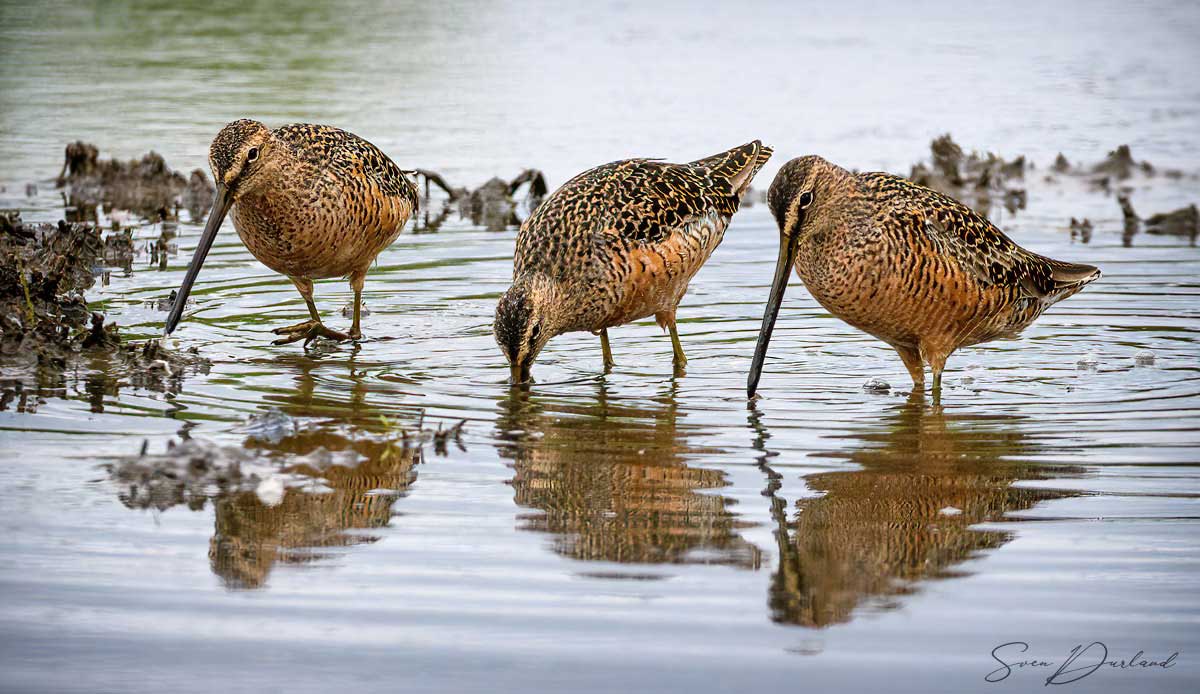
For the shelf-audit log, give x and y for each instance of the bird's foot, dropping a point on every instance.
(307, 331)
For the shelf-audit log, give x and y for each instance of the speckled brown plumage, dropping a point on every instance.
(908, 265)
(310, 202)
(618, 243)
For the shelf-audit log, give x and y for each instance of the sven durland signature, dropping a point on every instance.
(1081, 662)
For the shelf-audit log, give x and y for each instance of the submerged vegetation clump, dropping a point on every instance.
(1081, 229)
(290, 490)
(1120, 164)
(980, 180)
(46, 324)
(280, 447)
(1182, 222)
(984, 180)
(145, 186)
(495, 205)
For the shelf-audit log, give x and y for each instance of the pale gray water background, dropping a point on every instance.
(612, 533)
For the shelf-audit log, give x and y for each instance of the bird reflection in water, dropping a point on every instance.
(874, 533)
(612, 482)
(251, 535)
(358, 470)
(346, 462)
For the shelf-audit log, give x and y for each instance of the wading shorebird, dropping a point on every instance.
(910, 266)
(310, 202)
(616, 244)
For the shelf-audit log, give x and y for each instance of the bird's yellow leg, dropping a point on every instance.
(309, 329)
(312, 306)
(677, 347)
(357, 280)
(305, 287)
(606, 350)
(666, 319)
(937, 363)
(916, 368)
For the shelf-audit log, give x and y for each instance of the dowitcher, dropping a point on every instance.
(910, 266)
(310, 202)
(615, 244)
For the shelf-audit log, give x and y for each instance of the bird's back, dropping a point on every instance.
(632, 203)
(984, 252)
(348, 158)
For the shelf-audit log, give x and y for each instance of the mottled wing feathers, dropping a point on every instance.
(978, 247)
(638, 201)
(737, 167)
(1072, 272)
(325, 147)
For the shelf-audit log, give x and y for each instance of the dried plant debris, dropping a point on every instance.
(145, 186)
(93, 372)
(442, 437)
(495, 205)
(980, 180)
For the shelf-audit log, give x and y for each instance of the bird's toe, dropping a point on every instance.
(308, 331)
(297, 328)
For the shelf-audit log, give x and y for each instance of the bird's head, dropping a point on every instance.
(238, 156)
(526, 319)
(797, 195)
(800, 191)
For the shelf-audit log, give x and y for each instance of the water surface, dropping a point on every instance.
(633, 531)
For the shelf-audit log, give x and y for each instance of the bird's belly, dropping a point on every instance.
(313, 244)
(654, 294)
(654, 278)
(910, 309)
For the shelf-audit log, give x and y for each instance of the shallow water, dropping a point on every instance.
(631, 531)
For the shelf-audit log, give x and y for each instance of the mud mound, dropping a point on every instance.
(47, 327)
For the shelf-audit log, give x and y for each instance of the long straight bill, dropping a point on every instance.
(220, 208)
(788, 245)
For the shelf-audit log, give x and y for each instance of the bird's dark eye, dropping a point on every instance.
(252, 154)
(806, 199)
